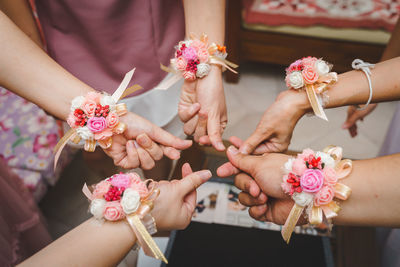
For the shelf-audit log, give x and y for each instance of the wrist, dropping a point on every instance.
(294, 102)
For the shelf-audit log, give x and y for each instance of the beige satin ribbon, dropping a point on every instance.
(291, 222)
(121, 109)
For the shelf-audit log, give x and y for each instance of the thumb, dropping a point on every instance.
(192, 181)
(243, 162)
(253, 141)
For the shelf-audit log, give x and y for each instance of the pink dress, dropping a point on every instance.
(99, 41)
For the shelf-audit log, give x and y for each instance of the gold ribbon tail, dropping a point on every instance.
(342, 191)
(316, 216)
(71, 134)
(291, 222)
(145, 240)
(223, 62)
(315, 103)
(124, 84)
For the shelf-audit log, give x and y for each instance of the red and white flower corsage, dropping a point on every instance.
(193, 60)
(314, 75)
(126, 196)
(311, 179)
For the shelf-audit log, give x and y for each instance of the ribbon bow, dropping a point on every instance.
(365, 67)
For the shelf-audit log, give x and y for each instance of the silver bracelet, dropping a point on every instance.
(358, 64)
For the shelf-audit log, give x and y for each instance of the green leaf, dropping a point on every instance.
(19, 142)
(17, 131)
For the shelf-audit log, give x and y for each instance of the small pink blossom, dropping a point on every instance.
(93, 96)
(121, 181)
(189, 53)
(188, 75)
(181, 63)
(43, 145)
(309, 61)
(203, 55)
(330, 176)
(305, 155)
(101, 189)
(312, 180)
(113, 211)
(96, 124)
(112, 120)
(198, 45)
(324, 196)
(299, 166)
(310, 75)
(89, 107)
(103, 134)
(71, 120)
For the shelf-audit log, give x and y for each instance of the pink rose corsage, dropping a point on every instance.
(193, 60)
(311, 180)
(95, 118)
(126, 196)
(314, 75)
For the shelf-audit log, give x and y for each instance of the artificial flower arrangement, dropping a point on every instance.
(193, 60)
(314, 75)
(126, 196)
(96, 118)
(312, 181)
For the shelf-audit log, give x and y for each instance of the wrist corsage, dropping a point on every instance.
(95, 118)
(311, 180)
(193, 60)
(313, 75)
(126, 196)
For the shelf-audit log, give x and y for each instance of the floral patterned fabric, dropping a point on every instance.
(371, 14)
(28, 136)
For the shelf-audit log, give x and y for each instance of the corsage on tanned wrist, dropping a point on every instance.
(125, 196)
(95, 118)
(314, 76)
(312, 181)
(193, 60)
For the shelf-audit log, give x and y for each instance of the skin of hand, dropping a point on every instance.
(272, 204)
(174, 207)
(152, 142)
(202, 108)
(354, 115)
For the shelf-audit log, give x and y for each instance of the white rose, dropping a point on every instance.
(202, 70)
(97, 208)
(295, 80)
(303, 199)
(77, 102)
(288, 165)
(130, 201)
(107, 100)
(84, 133)
(326, 158)
(321, 67)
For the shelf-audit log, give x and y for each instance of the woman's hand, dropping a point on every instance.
(202, 108)
(354, 115)
(174, 207)
(143, 143)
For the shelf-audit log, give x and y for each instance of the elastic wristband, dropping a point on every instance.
(314, 76)
(95, 118)
(125, 196)
(365, 67)
(311, 179)
(193, 60)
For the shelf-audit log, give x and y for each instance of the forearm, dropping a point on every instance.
(206, 16)
(90, 244)
(20, 13)
(32, 74)
(375, 194)
(393, 47)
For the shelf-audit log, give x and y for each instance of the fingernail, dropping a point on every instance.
(136, 144)
(220, 146)
(205, 174)
(344, 126)
(144, 140)
(262, 207)
(188, 142)
(233, 150)
(243, 150)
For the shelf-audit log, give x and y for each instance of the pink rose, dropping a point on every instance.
(93, 96)
(180, 63)
(140, 187)
(71, 120)
(101, 189)
(112, 120)
(305, 155)
(113, 211)
(312, 180)
(299, 166)
(310, 75)
(309, 61)
(198, 45)
(96, 124)
(203, 55)
(189, 53)
(324, 196)
(89, 107)
(121, 181)
(188, 75)
(330, 176)
(103, 134)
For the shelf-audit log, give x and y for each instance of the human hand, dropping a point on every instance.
(143, 143)
(202, 108)
(174, 207)
(353, 115)
(264, 172)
